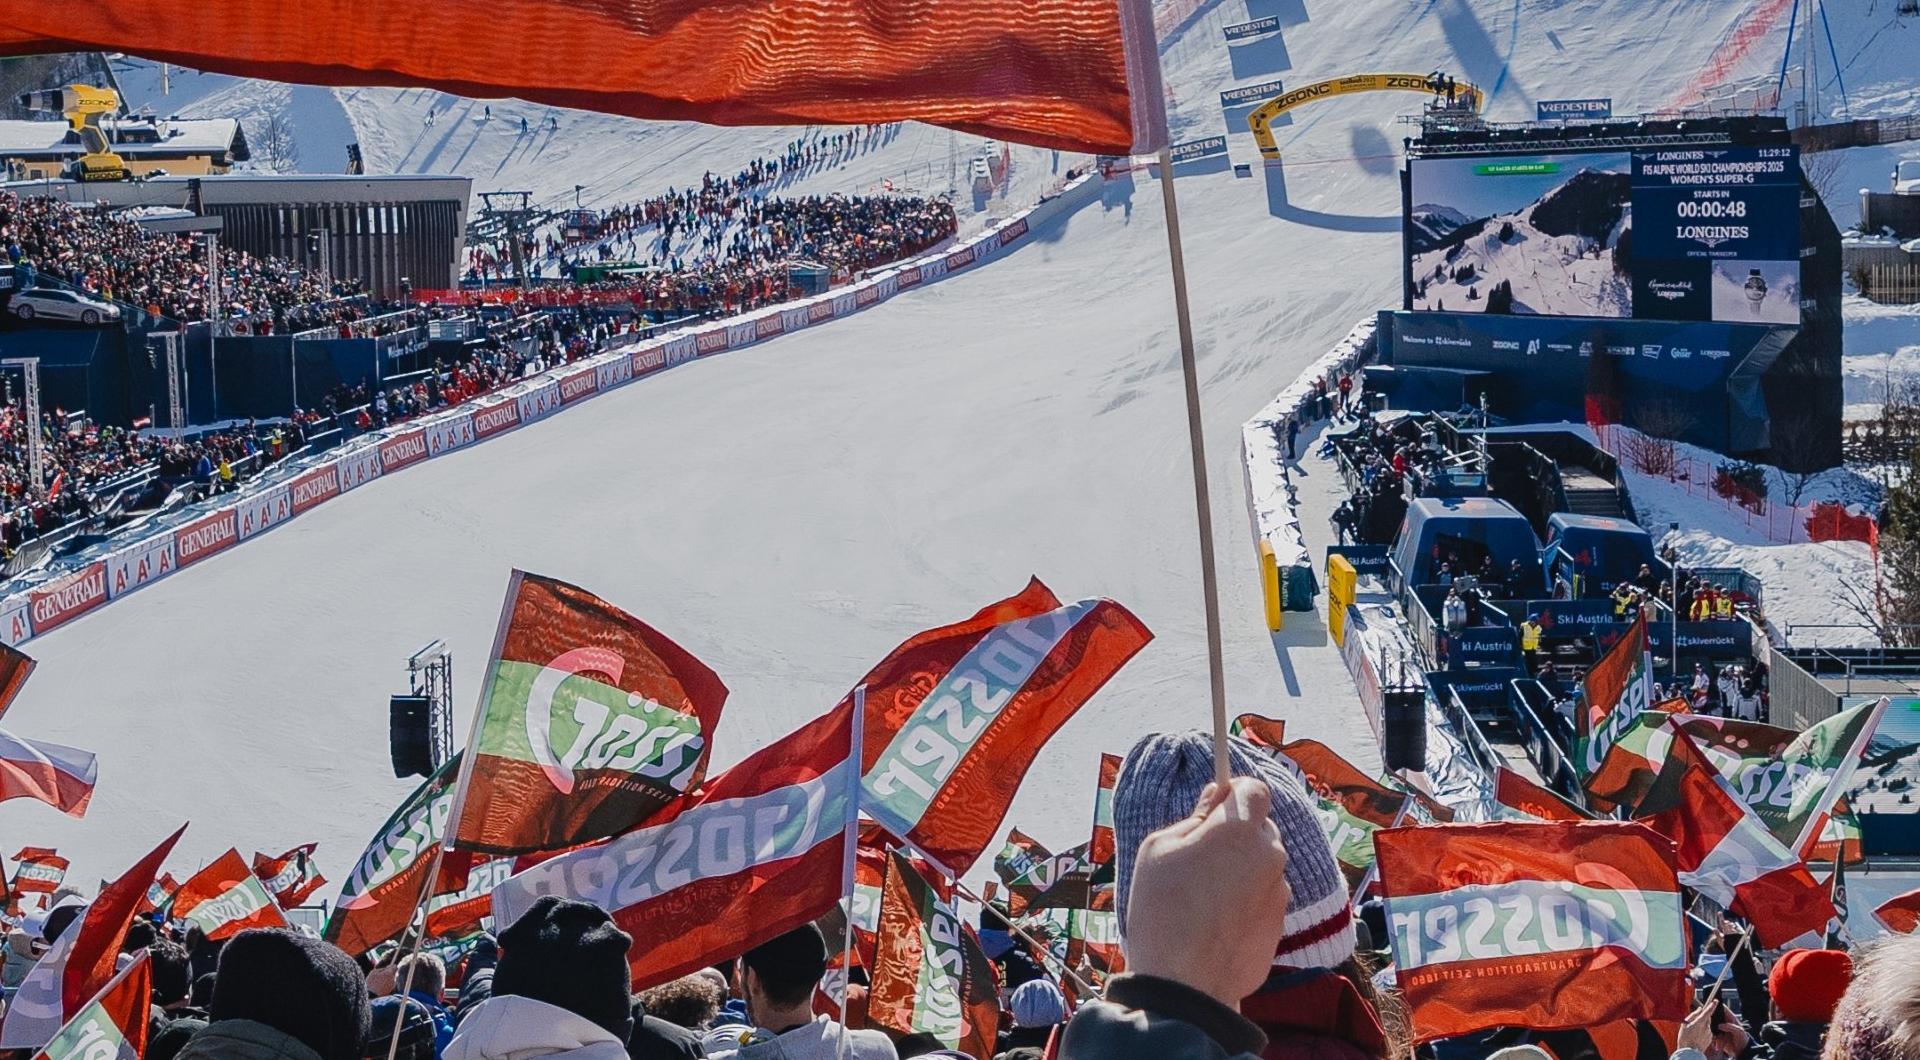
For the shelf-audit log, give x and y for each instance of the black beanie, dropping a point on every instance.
(299, 986)
(570, 955)
(416, 1030)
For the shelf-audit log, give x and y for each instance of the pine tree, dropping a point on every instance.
(1900, 558)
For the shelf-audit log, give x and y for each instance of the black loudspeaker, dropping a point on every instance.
(1403, 721)
(408, 735)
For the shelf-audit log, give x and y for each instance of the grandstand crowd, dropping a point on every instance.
(164, 276)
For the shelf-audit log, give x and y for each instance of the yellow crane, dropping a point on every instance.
(1454, 98)
(84, 106)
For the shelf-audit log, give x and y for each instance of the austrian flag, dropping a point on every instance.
(1547, 926)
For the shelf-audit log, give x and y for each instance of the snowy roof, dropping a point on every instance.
(199, 136)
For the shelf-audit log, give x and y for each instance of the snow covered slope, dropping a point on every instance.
(791, 511)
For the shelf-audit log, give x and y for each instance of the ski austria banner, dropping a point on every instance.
(591, 722)
(62, 777)
(82, 960)
(226, 898)
(15, 667)
(378, 898)
(919, 979)
(1544, 926)
(956, 715)
(1726, 854)
(41, 871)
(1611, 697)
(755, 854)
(291, 878)
(113, 1025)
(1074, 75)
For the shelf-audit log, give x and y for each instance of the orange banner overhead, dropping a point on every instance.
(1069, 74)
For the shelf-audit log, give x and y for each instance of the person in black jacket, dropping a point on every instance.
(1805, 987)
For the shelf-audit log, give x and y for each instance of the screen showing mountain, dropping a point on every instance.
(1546, 234)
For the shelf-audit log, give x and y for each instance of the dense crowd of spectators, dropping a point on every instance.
(162, 275)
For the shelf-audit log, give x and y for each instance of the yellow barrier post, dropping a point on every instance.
(1270, 585)
(1342, 586)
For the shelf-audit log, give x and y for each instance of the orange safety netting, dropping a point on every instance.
(1079, 75)
(1832, 522)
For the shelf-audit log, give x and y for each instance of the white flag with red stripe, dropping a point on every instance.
(61, 777)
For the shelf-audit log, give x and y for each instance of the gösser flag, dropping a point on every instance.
(41, 871)
(113, 1026)
(955, 715)
(1545, 926)
(920, 981)
(1901, 913)
(754, 855)
(82, 960)
(378, 899)
(61, 777)
(291, 877)
(226, 898)
(1080, 75)
(592, 721)
(1611, 697)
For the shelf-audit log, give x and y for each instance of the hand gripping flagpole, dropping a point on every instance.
(856, 750)
(452, 827)
(1197, 446)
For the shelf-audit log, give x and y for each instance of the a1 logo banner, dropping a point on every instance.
(592, 722)
(918, 982)
(956, 715)
(226, 898)
(1612, 696)
(378, 899)
(756, 854)
(291, 878)
(1543, 926)
(112, 1026)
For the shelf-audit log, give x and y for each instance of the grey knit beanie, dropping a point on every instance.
(1158, 786)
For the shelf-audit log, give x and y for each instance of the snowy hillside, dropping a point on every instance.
(792, 511)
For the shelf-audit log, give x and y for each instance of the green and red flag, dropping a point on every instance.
(1101, 850)
(920, 979)
(955, 716)
(1260, 731)
(1632, 764)
(226, 898)
(1350, 805)
(41, 871)
(83, 960)
(1840, 840)
(380, 895)
(1901, 913)
(1811, 774)
(291, 878)
(1063, 881)
(1611, 697)
(591, 722)
(1097, 933)
(1543, 926)
(1725, 853)
(1017, 865)
(460, 912)
(112, 1026)
(1512, 790)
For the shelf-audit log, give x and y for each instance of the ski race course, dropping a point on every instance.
(790, 511)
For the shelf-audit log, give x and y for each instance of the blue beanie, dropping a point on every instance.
(1038, 1003)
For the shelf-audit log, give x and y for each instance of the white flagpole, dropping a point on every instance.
(1197, 447)
(856, 746)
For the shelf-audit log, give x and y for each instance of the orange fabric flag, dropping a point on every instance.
(1078, 75)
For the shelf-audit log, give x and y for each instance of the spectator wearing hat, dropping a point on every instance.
(1038, 1007)
(279, 995)
(1805, 987)
(778, 978)
(562, 988)
(1317, 999)
(416, 1030)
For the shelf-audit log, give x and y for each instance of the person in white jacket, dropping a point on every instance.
(562, 989)
(778, 979)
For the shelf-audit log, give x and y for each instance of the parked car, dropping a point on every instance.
(50, 304)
